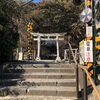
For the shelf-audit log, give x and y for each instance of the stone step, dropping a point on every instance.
(39, 82)
(42, 70)
(35, 97)
(39, 75)
(44, 80)
(59, 65)
(39, 90)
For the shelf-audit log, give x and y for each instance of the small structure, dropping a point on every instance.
(45, 37)
(68, 55)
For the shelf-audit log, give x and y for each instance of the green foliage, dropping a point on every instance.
(52, 17)
(8, 30)
(98, 11)
(55, 16)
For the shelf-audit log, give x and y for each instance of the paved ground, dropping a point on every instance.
(93, 96)
(35, 98)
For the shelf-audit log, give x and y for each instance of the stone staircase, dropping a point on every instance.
(38, 82)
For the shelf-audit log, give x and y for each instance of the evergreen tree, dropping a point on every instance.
(8, 30)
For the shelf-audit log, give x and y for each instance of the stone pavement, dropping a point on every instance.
(93, 96)
(35, 98)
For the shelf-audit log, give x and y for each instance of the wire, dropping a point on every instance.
(26, 3)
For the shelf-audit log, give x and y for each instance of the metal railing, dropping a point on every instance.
(88, 76)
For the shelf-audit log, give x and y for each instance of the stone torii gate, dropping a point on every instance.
(45, 37)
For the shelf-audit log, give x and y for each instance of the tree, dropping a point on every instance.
(8, 30)
(52, 17)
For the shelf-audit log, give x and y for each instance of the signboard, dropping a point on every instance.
(89, 31)
(88, 51)
(86, 15)
(82, 53)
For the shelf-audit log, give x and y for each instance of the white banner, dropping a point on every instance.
(89, 31)
(20, 56)
(88, 50)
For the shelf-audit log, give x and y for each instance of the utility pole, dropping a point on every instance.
(94, 37)
(92, 5)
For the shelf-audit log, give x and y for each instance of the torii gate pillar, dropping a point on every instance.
(38, 50)
(57, 44)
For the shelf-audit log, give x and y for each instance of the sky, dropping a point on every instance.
(37, 1)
